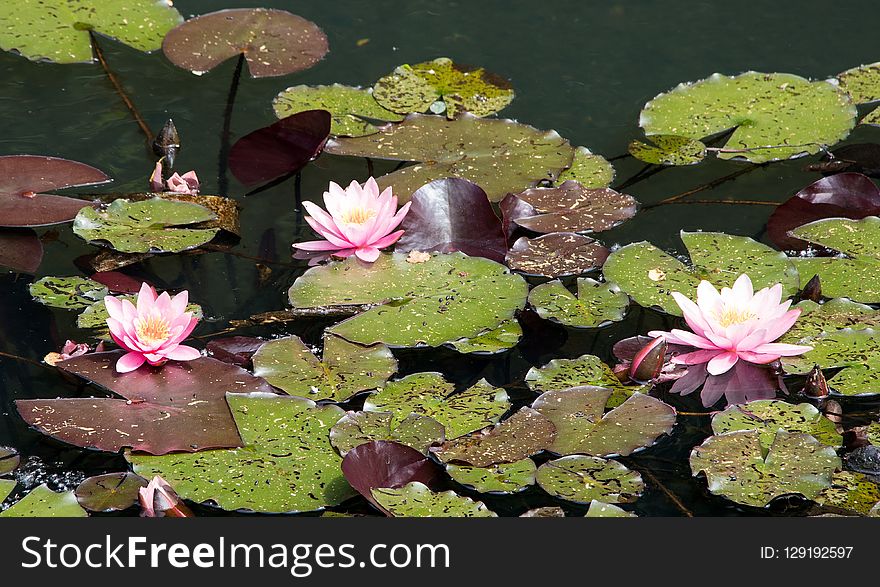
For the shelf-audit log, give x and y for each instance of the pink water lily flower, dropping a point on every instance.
(360, 221)
(152, 330)
(188, 183)
(736, 323)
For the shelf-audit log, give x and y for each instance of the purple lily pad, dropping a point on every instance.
(845, 195)
(280, 149)
(20, 250)
(386, 464)
(118, 282)
(180, 406)
(449, 215)
(235, 350)
(512, 207)
(572, 207)
(24, 178)
(556, 255)
(274, 42)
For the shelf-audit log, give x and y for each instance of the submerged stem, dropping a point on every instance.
(223, 164)
(674, 498)
(99, 55)
(707, 186)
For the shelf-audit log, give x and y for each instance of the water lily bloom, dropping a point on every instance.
(358, 221)
(188, 183)
(152, 330)
(735, 323)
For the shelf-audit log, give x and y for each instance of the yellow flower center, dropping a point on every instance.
(731, 316)
(358, 215)
(152, 329)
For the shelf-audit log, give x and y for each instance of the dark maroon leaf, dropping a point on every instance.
(236, 350)
(24, 178)
(274, 42)
(556, 255)
(816, 386)
(573, 208)
(386, 464)
(118, 282)
(281, 148)
(111, 492)
(20, 250)
(512, 207)
(180, 406)
(449, 215)
(845, 195)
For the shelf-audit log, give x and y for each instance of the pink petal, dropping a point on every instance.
(782, 349)
(316, 246)
(178, 304)
(183, 353)
(146, 298)
(691, 339)
(743, 291)
(368, 254)
(334, 200)
(781, 325)
(156, 184)
(696, 357)
(114, 307)
(692, 314)
(722, 363)
(388, 240)
(708, 299)
(757, 358)
(129, 362)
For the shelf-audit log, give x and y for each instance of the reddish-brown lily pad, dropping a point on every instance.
(236, 350)
(20, 250)
(274, 42)
(572, 207)
(24, 178)
(111, 492)
(556, 254)
(180, 406)
(280, 149)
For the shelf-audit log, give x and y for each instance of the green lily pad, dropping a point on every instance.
(851, 491)
(853, 276)
(861, 83)
(583, 426)
(650, 275)
(560, 374)
(9, 460)
(95, 316)
(505, 336)
(858, 351)
(346, 370)
(768, 416)
(7, 486)
(668, 150)
(836, 314)
(581, 479)
(356, 428)
(501, 156)
(445, 299)
(739, 468)
(588, 169)
(69, 293)
(597, 304)
(148, 226)
(351, 109)
(599, 509)
(787, 115)
(873, 432)
(524, 434)
(287, 463)
(415, 500)
(58, 30)
(42, 502)
(110, 493)
(428, 394)
(457, 88)
(500, 478)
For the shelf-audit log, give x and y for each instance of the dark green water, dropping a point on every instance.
(583, 68)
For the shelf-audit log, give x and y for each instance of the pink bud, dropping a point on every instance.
(159, 500)
(648, 362)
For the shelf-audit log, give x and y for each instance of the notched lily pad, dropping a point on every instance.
(599, 509)
(416, 500)
(428, 394)
(582, 479)
(149, 226)
(861, 83)
(857, 351)
(738, 467)
(557, 254)
(768, 416)
(668, 150)
(596, 304)
(503, 478)
(588, 169)
(69, 293)
(851, 491)
(356, 428)
(352, 110)
(495, 340)
(442, 86)
(835, 314)
(42, 502)
(109, 493)
(571, 207)
(586, 370)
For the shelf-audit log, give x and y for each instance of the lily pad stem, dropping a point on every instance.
(222, 180)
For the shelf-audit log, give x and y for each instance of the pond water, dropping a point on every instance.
(584, 69)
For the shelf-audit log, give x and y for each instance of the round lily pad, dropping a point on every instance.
(583, 426)
(274, 42)
(111, 492)
(857, 351)
(21, 250)
(495, 340)
(581, 479)
(851, 491)
(42, 502)
(7, 486)
(557, 254)
(588, 169)
(9, 460)
(774, 115)
(149, 226)
(599, 509)
(287, 463)
(428, 394)
(351, 109)
(499, 478)
(586, 370)
(596, 304)
(861, 83)
(70, 293)
(416, 500)
(457, 88)
(356, 428)
(768, 416)
(58, 30)
(738, 467)
(831, 316)
(571, 207)
(446, 298)
(346, 369)
(501, 156)
(525, 433)
(873, 432)
(668, 150)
